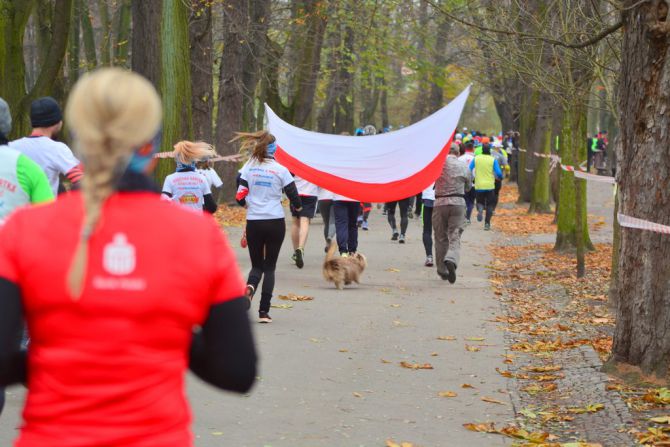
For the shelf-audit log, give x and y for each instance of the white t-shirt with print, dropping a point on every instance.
(306, 188)
(324, 194)
(213, 179)
(53, 157)
(187, 188)
(429, 193)
(266, 182)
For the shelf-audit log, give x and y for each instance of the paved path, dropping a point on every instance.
(307, 393)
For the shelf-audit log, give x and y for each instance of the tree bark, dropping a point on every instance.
(202, 64)
(641, 336)
(146, 41)
(175, 80)
(74, 45)
(122, 35)
(542, 138)
(88, 36)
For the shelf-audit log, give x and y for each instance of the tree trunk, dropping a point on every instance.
(50, 72)
(74, 45)
(231, 89)
(641, 336)
(106, 33)
(88, 36)
(146, 40)
(526, 174)
(202, 63)
(542, 138)
(13, 22)
(175, 80)
(122, 35)
(572, 226)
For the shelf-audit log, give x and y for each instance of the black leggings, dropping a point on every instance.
(404, 220)
(428, 229)
(264, 238)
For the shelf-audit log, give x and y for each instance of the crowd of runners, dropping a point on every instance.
(106, 258)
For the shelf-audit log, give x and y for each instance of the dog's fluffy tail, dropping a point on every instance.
(331, 251)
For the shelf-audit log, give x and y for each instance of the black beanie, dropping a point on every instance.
(45, 112)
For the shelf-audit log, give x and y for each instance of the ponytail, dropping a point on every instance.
(256, 144)
(111, 112)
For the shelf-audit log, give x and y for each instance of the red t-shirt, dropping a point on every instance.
(108, 369)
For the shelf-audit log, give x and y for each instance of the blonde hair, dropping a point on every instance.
(255, 143)
(187, 152)
(111, 113)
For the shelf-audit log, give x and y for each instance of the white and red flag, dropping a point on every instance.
(378, 168)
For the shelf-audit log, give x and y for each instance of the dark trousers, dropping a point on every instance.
(403, 205)
(428, 229)
(326, 210)
(419, 204)
(346, 227)
(2, 399)
(486, 201)
(498, 186)
(264, 238)
(469, 202)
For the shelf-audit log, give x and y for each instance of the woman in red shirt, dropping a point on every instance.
(112, 282)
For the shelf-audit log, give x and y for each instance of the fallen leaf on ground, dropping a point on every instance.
(282, 306)
(392, 269)
(592, 408)
(486, 427)
(294, 297)
(358, 395)
(399, 323)
(386, 361)
(446, 337)
(492, 400)
(661, 419)
(434, 354)
(410, 365)
(447, 394)
(344, 350)
(392, 443)
(467, 385)
(475, 338)
(537, 388)
(472, 348)
(395, 305)
(315, 340)
(542, 369)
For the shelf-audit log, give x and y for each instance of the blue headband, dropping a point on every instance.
(272, 148)
(142, 156)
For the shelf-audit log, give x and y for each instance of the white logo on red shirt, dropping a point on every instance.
(119, 256)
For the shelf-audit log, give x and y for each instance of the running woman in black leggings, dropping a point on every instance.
(404, 219)
(262, 181)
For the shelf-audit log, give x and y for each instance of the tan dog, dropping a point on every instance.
(343, 270)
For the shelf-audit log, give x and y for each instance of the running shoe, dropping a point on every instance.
(359, 222)
(401, 239)
(410, 214)
(264, 317)
(451, 269)
(328, 241)
(395, 236)
(468, 221)
(249, 293)
(480, 215)
(299, 258)
(487, 227)
(429, 261)
(294, 257)
(344, 255)
(385, 212)
(444, 276)
(365, 225)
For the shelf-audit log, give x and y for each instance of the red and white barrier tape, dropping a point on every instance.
(595, 178)
(633, 222)
(231, 158)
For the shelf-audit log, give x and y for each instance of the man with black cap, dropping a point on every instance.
(54, 157)
(22, 181)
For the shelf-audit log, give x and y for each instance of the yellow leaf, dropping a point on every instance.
(386, 361)
(282, 306)
(434, 354)
(542, 369)
(446, 337)
(472, 348)
(475, 338)
(447, 394)
(344, 350)
(217, 433)
(467, 385)
(410, 365)
(492, 400)
(294, 297)
(661, 419)
(486, 427)
(395, 305)
(392, 269)
(358, 395)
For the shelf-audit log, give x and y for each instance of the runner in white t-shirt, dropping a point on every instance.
(262, 181)
(186, 186)
(54, 157)
(301, 219)
(428, 198)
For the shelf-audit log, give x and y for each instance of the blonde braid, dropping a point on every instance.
(111, 112)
